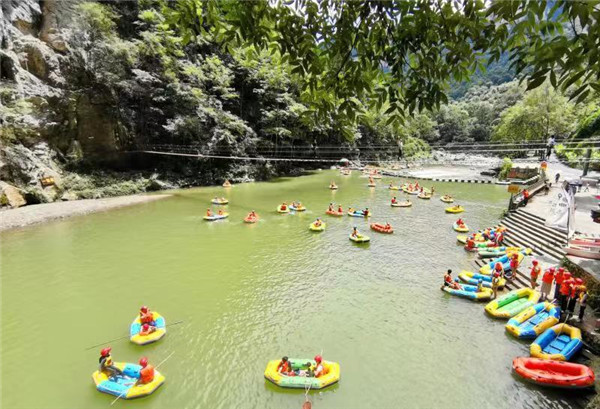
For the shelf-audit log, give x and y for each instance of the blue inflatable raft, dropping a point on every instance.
(559, 343)
(534, 320)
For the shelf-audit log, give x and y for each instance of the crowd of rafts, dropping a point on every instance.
(532, 314)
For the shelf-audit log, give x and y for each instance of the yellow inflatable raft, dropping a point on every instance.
(331, 376)
(135, 327)
(512, 303)
(125, 386)
(455, 209)
(447, 199)
(314, 227)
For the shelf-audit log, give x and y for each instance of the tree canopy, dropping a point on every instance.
(354, 53)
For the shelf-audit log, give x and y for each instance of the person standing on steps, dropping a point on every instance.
(535, 272)
(558, 279)
(556, 177)
(547, 280)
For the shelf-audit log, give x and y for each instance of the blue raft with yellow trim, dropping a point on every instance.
(534, 320)
(470, 292)
(124, 385)
(558, 343)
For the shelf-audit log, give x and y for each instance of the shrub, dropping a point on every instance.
(505, 169)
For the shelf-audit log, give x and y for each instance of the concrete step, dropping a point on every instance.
(533, 235)
(551, 234)
(540, 223)
(537, 244)
(525, 213)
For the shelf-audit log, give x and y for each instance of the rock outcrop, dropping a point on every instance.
(14, 198)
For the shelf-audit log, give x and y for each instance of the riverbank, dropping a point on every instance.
(40, 213)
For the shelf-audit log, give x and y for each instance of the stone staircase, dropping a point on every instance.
(528, 230)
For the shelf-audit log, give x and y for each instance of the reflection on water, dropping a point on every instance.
(251, 293)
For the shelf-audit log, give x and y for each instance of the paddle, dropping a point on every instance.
(133, 383)
(126, 336)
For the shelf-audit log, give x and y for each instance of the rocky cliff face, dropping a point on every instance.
(46, 125)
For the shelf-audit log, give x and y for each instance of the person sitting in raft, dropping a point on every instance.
(354, 232)
(432, 190)
(146, 316)
(146, 373)
(388, 226)
(106, 363)
(449, 282)
(394, 201)
(470, 244)
(340, 209)
(283, 206)
(486, 234)
(366, 212)
(460, 222)
(479, 285)
(318, 222)
(416, 185)
(371, 181)
(209, 213)
(285, 367)
(391, 185)
(410, 187)
(421, 190)
(147, 329)
(220, 212)
(307, 371)
(330, 209)
(253, 214)
(319, 369)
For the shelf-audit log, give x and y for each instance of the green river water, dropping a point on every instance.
(252, 293)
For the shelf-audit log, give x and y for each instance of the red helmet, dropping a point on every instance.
(534, 262)
(515, 255)
(318, 359)
(144, 309)
(143, 361)
(566, 275)
(498, 266)
(578, 281)
(145, 327)
(496, 274)
(105, 351)
(552, 269)
(561, 270)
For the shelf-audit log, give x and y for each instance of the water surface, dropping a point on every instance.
(251, 293)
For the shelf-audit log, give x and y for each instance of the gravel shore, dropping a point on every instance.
(28, 215)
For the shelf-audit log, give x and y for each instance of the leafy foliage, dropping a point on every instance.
(340, 48)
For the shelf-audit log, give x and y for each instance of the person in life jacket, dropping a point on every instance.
(106, 364)
(330, 207)
(547, 280)
(340, 209)
(354, 232)
(388, 226)
(146, 373)
(319, 368)
(534, 274)
(499, 269)
(285, 367)
(146, 316)
(486, 234)
(209, 213)
(317, 223)
(470, 244)
(394, 201)
(253, 214)
(449, 282)
(499, 238)
(147, 329)
(558, 278)
(574, 294)
(495, 284)
(514, 263)
(565, 291)
(366, 212)
(460, 222)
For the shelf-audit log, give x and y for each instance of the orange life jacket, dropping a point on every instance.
(147, 374)
(146, 318)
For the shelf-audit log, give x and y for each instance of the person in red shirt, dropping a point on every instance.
(565, 291)
(535, 272)
(547, 280)
(574, 294)
(514, 263)
(146, 373)
(558, 278)
(448, 282)
(498, 269)
(285, 367)
(394, 201)
(146, 316)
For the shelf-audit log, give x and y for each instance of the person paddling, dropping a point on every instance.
(146, 316)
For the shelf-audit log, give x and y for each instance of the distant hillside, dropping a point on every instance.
(497, 73)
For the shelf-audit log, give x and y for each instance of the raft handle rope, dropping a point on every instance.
(127, 336)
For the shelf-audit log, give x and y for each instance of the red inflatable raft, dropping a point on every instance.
(334, 213)
(558, 374)
(250, 219)
(380, 227)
